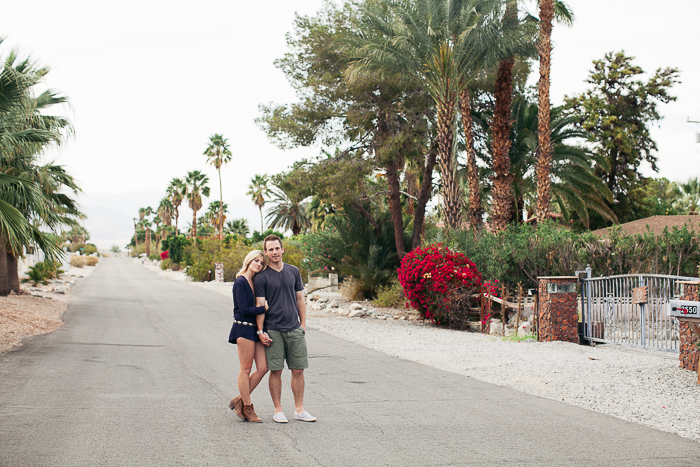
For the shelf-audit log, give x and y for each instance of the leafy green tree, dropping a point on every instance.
(216, 215)
(617, 112)
(218, 153)
(371, 123)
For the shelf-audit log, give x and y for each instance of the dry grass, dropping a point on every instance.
(78, 261)
(91, 261)
(24, 315)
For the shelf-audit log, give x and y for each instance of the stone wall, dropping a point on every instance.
(689, 354)
(557, 313)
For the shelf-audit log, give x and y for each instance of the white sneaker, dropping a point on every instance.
(304, 416)
(280, 418)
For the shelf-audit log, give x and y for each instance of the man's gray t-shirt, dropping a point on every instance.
(279, 289)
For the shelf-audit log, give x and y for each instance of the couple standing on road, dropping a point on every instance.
(269, 327)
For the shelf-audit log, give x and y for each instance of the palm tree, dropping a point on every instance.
(548, 10)
(216, 215)
(41, 194)
(176, 191)
(287, 213)
(258, 191)
(238, 227)
(434, 44)
(165, 212)
(219, 153)
(690, 196)
(197, 185)
(145, 215)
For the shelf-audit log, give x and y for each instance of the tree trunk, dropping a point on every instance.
(367, 215)
(451, 190)
(194, 225)
(544, 132)
(177, 216)
(148, 242)
(395, 207)
(12, 273)
(502, 180)
(221, 206)
(262, 226)
(426, 187)
(4, 285)
(476, 212)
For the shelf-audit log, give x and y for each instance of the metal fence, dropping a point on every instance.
(609, 314)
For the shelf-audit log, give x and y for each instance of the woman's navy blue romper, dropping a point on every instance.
(244, 311)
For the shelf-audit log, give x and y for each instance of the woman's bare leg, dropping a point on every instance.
(260, 366)
(246, 354)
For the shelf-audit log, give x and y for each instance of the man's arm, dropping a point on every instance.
(301, 308)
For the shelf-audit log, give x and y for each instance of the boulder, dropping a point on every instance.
(323, 300)
(524, 329)
(315, 297)
(355, 313)
(61, 289)
(356, 306)
(496, 327)
(334, 304)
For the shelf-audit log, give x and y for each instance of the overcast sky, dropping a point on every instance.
(150, 81)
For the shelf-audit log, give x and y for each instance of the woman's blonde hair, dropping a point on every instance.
(249, 259)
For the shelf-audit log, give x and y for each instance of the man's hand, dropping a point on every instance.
(265, 339)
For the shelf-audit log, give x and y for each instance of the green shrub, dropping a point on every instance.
(41, 272)
(166, 264)
(89, 249)
(352, 247)
(390, 296)
(259, 237)
(176, 248)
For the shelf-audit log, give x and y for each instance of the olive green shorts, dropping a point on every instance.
(287, 345)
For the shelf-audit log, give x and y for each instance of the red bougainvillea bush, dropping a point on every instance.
(164, 254)
(441, 284)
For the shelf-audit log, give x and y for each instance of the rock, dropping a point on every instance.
(334, 304)
(315, 297)
(509, 331)
(496, 328)
(343, 312)
(530, 339)
(356, 306)
(355, 313)
(61, 289)
(323, 300)
(524, 329)
(402, 318)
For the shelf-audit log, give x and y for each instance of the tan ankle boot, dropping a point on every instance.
(237, 405)
(250, 414)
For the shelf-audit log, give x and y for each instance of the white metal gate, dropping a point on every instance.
(610, 316)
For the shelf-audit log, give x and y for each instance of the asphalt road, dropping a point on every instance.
(141, 374)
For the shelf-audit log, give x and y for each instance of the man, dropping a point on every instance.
(281, 285)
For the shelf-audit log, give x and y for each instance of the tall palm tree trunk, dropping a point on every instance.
(4, 286)
(392, 177)
(177, 216)
(221, 206)
(451, 190)
(544, 144)
(262, 227)
(475, 210)
(12, 273)
(502, 180)
(148, 242)
(194, 225)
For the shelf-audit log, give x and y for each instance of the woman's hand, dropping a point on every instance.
(267, 307)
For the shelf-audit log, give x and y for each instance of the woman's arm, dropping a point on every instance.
(243, 302)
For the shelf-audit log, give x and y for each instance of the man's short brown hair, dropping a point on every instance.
(271, 238)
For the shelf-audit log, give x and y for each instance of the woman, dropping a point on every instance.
(248, 333)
